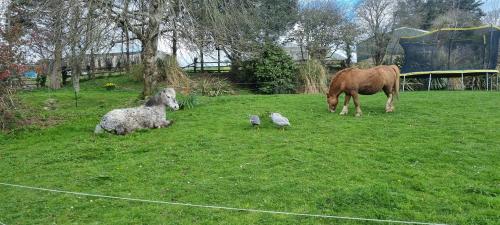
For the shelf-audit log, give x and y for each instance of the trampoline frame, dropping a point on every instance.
(454, 73)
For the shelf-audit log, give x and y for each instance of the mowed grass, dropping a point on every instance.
(436, 159)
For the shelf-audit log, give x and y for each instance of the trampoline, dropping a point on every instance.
(452, 52)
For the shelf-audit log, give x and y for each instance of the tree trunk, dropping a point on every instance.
(174, 41)
(174, 31)
(127, 62)
(74, 44)
(55, 75)
(348, 51)
(380, 47)
(92, 64)
(76, 71)
(150, 72)
(202, 60)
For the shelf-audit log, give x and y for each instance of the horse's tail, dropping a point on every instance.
(396, 83)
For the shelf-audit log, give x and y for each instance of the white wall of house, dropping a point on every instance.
(186, 53)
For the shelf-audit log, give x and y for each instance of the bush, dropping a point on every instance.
(136, 72)
(41, 80)
(399, 61)
(8, 109)
(213, 86)
(187, 101)
(312, 77)
(275, 71)
(171, 73)
(244, 72)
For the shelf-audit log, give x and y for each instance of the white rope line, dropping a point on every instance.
(220, 207)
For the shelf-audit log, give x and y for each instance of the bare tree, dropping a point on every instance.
(493, 16)
(376, 16)
(409, 13)
(144, 19)
(48, 27)
(233, 27)
(318, 28)
(3, 8)
(349, 36)
(455, 18)
(56, 12)
(241, 27)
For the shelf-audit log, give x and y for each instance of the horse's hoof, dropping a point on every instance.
(358, 114)
(343, 113)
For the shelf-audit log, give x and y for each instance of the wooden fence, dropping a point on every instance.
(219, 67)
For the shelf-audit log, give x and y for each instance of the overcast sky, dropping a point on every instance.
(490, 5)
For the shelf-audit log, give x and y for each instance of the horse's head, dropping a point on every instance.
(164, 97)
(332, 102)
(168, 98)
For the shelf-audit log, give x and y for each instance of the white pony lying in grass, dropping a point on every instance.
(151, 115)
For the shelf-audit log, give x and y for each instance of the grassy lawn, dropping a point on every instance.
(436, 159)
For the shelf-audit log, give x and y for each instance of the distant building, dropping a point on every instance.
(365, 48)
(111, 60)
(116, 57)
(333, 55)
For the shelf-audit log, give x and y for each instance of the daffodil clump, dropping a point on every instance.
(110, 86)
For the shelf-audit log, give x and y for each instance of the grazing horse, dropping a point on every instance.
(353, 81)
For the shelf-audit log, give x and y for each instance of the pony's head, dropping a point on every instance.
(165, 97)
(332, 102)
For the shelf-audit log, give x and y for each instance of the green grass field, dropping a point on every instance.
(436, 159)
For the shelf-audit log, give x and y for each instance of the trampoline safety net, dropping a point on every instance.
(452, 49)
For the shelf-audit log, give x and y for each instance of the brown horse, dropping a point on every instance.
(353, 81)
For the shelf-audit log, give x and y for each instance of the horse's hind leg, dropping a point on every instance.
(389, 105)
(345, 110)
(120, 130)
(390, 99)
(357, 104)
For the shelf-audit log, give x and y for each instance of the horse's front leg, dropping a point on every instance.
(345, 109)
(166, 123)
(357, 104)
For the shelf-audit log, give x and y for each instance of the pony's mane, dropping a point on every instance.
(154, 100)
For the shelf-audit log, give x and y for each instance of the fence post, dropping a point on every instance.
(218, 60)
(195, 61)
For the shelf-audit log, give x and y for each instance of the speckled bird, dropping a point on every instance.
(255, 120)
(280, 120)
